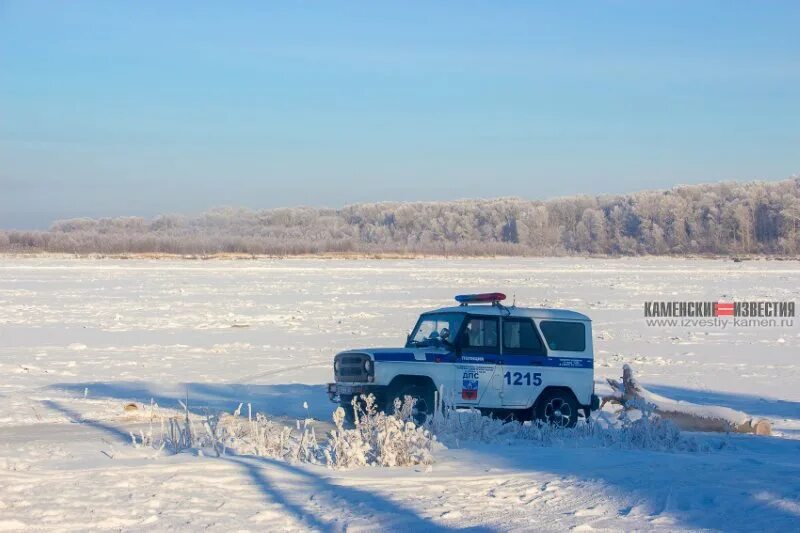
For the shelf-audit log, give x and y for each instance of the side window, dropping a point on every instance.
(520, 337)
(480, 334)
(564, 336)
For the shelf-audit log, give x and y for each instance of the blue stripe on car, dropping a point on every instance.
(509, 360)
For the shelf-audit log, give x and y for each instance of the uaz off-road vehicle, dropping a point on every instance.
(508, 361)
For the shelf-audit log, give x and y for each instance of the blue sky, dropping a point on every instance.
(139, 108)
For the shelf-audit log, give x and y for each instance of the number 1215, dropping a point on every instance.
(519, 378)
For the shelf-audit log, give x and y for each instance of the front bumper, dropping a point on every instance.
(337, 390)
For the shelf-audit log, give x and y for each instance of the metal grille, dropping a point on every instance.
(351, 367)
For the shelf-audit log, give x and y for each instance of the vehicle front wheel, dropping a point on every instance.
(345, 402)
(424, 400)
(558, 408)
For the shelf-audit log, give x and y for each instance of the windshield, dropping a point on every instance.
(436, 329)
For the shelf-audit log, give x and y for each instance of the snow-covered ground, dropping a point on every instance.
(81, 338)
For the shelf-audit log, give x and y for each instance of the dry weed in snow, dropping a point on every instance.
(639, 429)
(379, 439)
(392, 440)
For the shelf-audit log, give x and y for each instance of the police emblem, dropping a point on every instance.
(469, 390)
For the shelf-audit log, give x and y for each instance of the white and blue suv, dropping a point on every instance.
(524, 363)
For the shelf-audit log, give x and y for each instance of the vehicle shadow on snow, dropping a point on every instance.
(77, 418)
(284, 400)
(311, 498)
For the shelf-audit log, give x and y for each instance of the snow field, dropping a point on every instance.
(79, 339)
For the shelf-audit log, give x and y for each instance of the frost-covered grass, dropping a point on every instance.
(622, 430)
(393, 439)
(638, 428)
(376, 438)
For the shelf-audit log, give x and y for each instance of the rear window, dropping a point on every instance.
(520, 337)
(564, 336)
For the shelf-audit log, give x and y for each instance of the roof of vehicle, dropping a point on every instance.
(529, 312)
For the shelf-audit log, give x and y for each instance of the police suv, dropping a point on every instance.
(507, 361)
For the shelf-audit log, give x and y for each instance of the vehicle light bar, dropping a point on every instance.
(487, 297)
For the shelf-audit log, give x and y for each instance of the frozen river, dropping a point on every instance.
(79, 338)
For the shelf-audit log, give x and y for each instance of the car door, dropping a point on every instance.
(522, 370)
(479, 351)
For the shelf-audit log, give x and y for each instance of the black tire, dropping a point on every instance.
(345, 402)
(558, 408)
(424, 396)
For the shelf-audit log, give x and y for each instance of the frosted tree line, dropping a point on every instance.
(722, 218)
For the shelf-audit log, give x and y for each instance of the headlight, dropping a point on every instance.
(368, 366)
(336, 365)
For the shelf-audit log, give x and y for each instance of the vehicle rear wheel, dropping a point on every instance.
(558, 408)
(424, 400)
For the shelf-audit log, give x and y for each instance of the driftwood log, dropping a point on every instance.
(687, 416)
